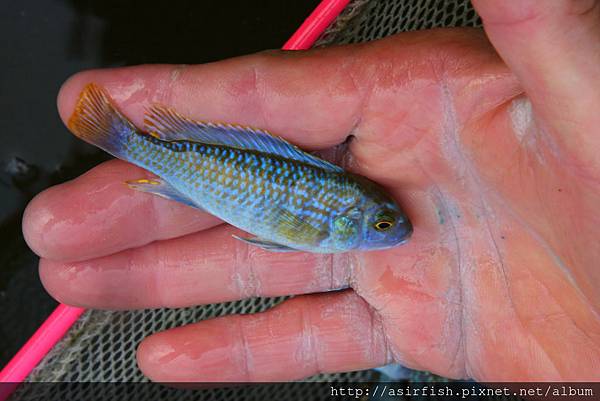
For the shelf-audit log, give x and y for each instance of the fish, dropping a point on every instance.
(288, 199)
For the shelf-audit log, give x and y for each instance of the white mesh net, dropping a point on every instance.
(101, 346)
(365, 20)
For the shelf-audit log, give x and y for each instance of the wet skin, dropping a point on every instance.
(495, 166)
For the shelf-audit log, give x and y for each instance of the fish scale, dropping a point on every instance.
(263, 179)
(290, 199)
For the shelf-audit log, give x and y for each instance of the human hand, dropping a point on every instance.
(500, 278)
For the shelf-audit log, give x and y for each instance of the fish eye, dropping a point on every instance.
(383, 225)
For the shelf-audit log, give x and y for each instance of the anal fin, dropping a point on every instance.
(160, 188)
(267, 245)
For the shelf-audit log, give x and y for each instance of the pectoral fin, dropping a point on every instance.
(267, 245)
(160, 188)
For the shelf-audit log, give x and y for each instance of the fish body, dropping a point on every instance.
(289, 199)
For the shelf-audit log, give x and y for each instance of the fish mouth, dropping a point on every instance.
(408, 232)
(404, 240)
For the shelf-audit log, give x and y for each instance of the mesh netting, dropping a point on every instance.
(364, 20)
(101, 346)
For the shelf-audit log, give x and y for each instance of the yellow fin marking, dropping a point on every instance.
(143, 181)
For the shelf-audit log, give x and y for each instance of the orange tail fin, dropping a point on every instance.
(97, 121)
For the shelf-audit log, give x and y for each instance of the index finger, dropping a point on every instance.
(313, 99)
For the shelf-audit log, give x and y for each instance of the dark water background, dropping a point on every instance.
(43, 42)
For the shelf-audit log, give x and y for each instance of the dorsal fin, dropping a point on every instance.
(171, 126)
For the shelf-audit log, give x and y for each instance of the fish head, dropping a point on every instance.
(384, 225)
(381, 222)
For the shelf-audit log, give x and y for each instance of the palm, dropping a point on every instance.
(491, 285)
(490, 277)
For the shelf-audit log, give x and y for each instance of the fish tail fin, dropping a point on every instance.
(97, 121)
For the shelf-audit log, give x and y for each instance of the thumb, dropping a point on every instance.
(553, 48)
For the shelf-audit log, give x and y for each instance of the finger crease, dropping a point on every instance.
(245, 353)
(245, 281)
(378, 332)
(309, 341)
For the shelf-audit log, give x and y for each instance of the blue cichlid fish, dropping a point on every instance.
(289, 199)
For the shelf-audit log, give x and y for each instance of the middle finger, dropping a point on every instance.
(205, 267)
